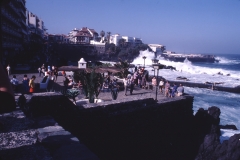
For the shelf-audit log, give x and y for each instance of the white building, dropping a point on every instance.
(157, 48)
(35, 24)
(82, 36)
(132, 40)
(115, 39)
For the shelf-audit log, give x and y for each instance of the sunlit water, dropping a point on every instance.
(227, 71)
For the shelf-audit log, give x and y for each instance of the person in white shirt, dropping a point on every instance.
(8, 69)
(125, 82)
(161, 84)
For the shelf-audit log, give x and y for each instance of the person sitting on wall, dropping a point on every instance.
(180, 90)
(70, 84)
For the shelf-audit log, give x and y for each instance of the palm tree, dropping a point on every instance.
(102, 34)
(108, 36)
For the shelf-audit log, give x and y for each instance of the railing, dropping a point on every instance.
(14, 9)
(10, 31)
(7, 44)
(21, 1)
(21, 11)
(9, 17)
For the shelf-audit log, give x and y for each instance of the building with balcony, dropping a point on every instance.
(13, 28)
(35, 24)
(82, 36)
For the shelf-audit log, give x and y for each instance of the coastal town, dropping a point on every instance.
(77, 96)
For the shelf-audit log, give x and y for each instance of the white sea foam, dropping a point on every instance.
(192, 72)
(224, 60)
(227, 133)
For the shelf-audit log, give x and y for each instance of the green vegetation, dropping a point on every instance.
(91, 81)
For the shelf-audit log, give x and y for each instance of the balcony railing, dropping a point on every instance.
(10, 31)
(9, 17)
(22, 12)
(21, 2)
(11, 45)
(14, 9)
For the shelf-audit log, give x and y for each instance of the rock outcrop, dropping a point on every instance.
(211, 148)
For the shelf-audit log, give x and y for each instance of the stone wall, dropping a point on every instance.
(138, 129)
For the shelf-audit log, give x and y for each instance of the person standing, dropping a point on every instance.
(8, 70)
(32, 84)
(125, 83)
(131, 85)
(25, 84)
(167, 89)
(14, 82)
(43, 70)
(39, 71)
(55, 72)
(180, 90)
(174, 90)
(154, 83)
(161, 84)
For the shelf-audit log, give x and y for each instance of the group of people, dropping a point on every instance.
(167, 89)
(28, 85)
(139, 77)
(52, 71)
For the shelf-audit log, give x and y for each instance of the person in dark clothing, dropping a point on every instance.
(55, 72)
(174, 90)
(131, 86)
(65, 83)
(6, 93)
(25, 84)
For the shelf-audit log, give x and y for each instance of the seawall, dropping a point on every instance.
(134, 129)
(208, 86)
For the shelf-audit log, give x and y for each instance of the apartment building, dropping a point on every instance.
(13, 28)
(35, 24)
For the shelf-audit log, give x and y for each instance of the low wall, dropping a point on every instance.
(209, 86)
(140, 129)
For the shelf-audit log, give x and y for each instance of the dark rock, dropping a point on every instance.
(229, 149)
(228, 126)
(169, 67)
(207, 148)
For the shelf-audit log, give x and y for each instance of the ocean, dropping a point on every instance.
(226, 72)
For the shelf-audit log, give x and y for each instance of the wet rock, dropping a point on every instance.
(233, 127)
(182, 78)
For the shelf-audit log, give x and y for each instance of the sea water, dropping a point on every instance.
(226, 72)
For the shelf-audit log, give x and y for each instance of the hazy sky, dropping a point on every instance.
(184, 26)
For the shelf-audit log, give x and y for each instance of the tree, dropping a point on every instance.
(121, 42)
(108, 36)
(102, 34)
(124, 66)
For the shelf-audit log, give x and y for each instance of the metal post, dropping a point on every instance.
(144, 61)
(156, 85)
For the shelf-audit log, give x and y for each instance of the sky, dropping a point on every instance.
(183, 26)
